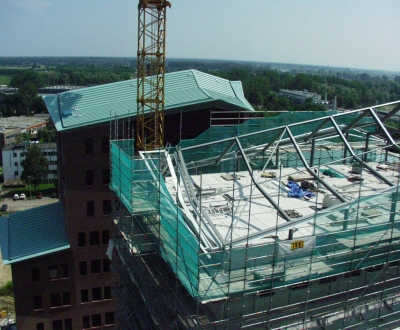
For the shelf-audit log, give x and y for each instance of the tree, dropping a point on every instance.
(23, 137)
(35, 166)
(46, 134)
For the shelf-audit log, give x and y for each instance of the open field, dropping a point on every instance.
(5, 80)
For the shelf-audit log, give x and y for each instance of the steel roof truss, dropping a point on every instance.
(306, 165)
(355, 157)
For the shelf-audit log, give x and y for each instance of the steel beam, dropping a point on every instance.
(354, 122)
(222, 155)
(384, 130)
(270, 143)
(304, 161)
(260, 189)
(360, 161)
(319, 127)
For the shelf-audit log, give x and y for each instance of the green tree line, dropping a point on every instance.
(261, 84)
(352, 90)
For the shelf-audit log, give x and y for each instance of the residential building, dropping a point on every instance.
(14, 154)
(75, 266)
(10, 127)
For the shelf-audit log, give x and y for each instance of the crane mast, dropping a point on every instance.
(150, 74)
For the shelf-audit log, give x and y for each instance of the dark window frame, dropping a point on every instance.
(105, 144)
(57, 325)
(84, 296)
(64, 272)
(35, 274)
(66, 298)
(97, 294)
(82, 239)
(40, 326)
(82, 268)
(37, 303)
(107, 295)
(109, 318)
(86, 322)
(95, 266)
(105, 236)
(106, 265)
(96, 320)
(89, 178)
(55, 300)
(107, 207)
(88, 146)
(94, 238)
(105, 176)
(53, 272)
(90, 212)
(68, 324)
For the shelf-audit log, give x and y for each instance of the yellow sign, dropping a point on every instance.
(296, 245)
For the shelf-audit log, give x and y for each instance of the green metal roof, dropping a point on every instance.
(184, 90)
(33, 233)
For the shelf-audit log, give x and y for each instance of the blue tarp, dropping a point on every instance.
(297, 192)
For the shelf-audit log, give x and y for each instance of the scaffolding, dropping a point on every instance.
(265, 226)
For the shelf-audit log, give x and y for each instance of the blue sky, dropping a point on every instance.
(353, 33)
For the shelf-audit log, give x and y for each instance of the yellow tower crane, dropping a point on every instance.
(150, 74)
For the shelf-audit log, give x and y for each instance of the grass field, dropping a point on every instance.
(5, 80)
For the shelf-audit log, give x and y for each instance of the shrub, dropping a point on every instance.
(7, 289)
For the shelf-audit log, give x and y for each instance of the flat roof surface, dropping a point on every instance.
(254, 214)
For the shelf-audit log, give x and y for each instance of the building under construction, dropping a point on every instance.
(288, 222)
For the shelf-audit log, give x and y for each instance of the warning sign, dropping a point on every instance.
(296, 245)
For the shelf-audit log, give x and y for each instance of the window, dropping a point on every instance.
(107, 292)
(84, 296)
(109, 318)
(66, 299)
(35, 274)
(15, 172)
(40, 326)
(81, 239)
(96, 294)
(15, 154)
(82, 268)
(105, 176)
(15, 163)
(37, 302)
(96, 320)
(106, 265)
(90, 209)
(107, 207)
(57, 325)
(105, 145)
(94, 238)
(89, 178)
(85, 322)
(68, 324)
(88, 146)
(95, 266)
(53, 271)
(55, 300)
(105, 236)
(64, 271)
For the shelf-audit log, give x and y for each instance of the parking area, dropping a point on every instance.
(25, 204)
